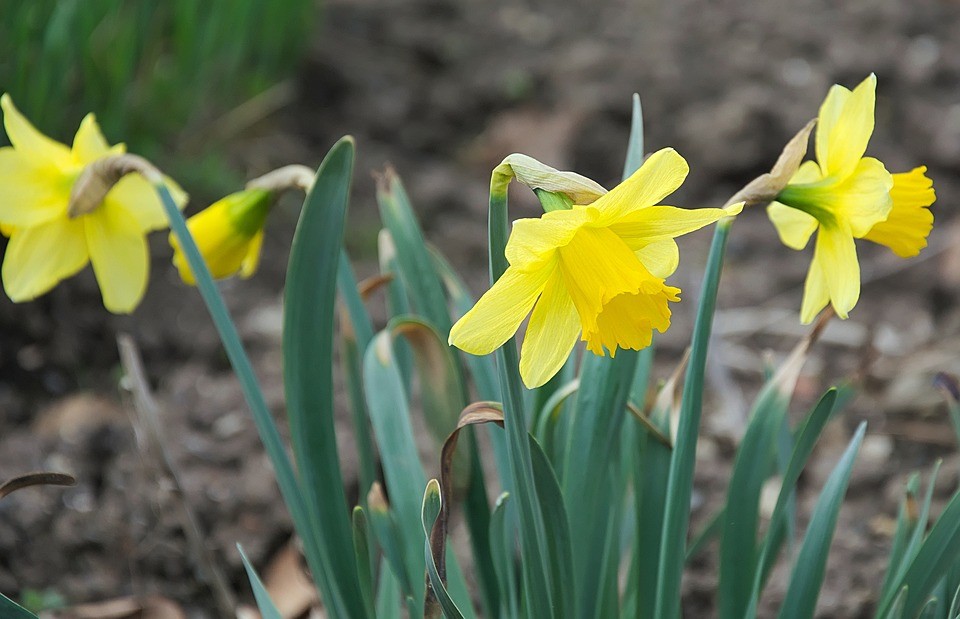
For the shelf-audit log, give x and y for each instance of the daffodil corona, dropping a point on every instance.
(48, 244)
(229, 234)
(595, 270)
(845, 196)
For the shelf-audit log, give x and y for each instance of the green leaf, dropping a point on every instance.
(502, 550)
(635, 153)
(416, 265)
(355, 334)
(429, 512)
(680, 481)
(388, 594)
(390, 417)
(803, 447)
(591, 479)
(384, 525)
(12, 610)
(442, 392)
(536, 569)
(935, 557)
(268, 610)
(308, 326)
(316, 554)
(914, 539)
(402, 470)
(363, 551)
(557, 528)
(739, 552)
(811, 563)
(651, 467)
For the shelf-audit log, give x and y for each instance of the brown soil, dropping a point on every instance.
(443, 91)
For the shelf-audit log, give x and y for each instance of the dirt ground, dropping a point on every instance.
(443, 91)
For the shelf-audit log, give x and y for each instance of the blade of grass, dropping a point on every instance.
(268, 610)
(680, 481)
(808, 571)
(502, 550)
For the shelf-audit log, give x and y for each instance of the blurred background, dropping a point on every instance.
(216, 93)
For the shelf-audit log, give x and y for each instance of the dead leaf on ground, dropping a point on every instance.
(148, 607)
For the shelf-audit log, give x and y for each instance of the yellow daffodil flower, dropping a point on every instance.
(47, 244)
(229, 234)
(845, 196)
(597, 268)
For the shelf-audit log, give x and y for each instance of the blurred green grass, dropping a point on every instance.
(158, 73)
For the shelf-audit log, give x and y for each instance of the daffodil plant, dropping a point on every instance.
(594, 487)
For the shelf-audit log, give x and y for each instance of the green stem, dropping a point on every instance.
(680, 481)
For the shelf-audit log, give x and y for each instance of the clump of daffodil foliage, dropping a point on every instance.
(593, 485)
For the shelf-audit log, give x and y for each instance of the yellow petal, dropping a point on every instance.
(906, 229)
(659, 176)
(808, 172)
(815, 293)
(836, 255)
(499, 312)
(135, 195)
(551, 335)
(656, 223)
(89, 143)
(845, 126)
(661, 258)
(533, 242)
(793, 225)
(31, 192)
(38, 258)
(252, 260)
(863, 198)
(30, 142)
(118, 251)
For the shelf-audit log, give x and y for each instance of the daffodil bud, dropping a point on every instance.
(535, 175)
(229, 234)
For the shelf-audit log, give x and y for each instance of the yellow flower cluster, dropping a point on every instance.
(592, 268)
(845, 196)
(596, 269)
(48, 243)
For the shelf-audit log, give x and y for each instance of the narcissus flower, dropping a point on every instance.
(845, 196)
(596, 269)
(229, 234)
(47, 243)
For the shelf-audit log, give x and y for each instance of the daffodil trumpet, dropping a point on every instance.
(843, 196)
(595, 271)
(66, 207)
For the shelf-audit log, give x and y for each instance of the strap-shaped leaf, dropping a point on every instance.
(434, 549)
(268, 610)
(809, 569)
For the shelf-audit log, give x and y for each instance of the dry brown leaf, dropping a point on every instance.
(148, 607)
(287, 583)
